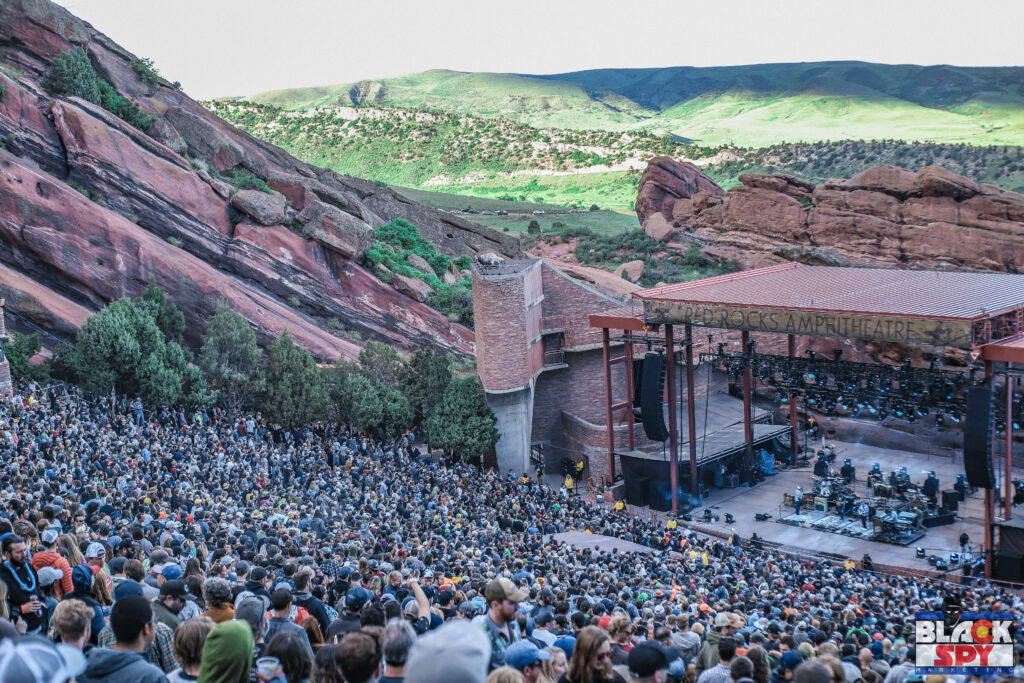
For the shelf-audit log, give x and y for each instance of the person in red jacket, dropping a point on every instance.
(49, 557)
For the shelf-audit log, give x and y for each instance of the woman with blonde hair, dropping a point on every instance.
(591, 659)
(552, 669)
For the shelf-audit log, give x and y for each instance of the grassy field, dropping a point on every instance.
(747, 120)
(609, 190)
(450, 202)
(602, 222)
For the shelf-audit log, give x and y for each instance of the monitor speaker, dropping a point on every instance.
(651, 390)
(978, 438)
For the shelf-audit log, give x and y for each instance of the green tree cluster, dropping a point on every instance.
(133, 348)
(383, 396)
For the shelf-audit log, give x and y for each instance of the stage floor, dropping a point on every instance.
(744, 502)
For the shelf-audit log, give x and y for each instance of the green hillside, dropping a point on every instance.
(752, 106)
(500, 160)
(494, 158)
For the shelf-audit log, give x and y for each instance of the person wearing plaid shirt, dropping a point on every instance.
(330, 566)
(160, 652)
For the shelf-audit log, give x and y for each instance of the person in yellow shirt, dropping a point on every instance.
(619, 506)
(672, 524)
(568, 482)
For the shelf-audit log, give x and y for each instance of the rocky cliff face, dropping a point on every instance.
(884, 216)
(152, 204)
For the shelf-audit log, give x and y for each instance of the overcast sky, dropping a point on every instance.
(240, 47)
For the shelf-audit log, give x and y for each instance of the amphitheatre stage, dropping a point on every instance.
(812, 340)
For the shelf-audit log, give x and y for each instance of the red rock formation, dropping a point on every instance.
(884, 216)
(156, 213)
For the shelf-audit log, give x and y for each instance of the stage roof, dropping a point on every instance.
(910, 306)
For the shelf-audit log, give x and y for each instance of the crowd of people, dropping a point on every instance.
(162, 545)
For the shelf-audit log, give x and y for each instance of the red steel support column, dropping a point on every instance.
(691, 413)
(628, 363)
(608, 403)
(1008, 474)
(794, 441)
(748, 428)
(673, 427)
(990, 498)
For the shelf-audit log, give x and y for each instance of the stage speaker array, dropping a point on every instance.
(651, 391)
(978, 438)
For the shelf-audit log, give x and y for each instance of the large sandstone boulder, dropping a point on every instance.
(267, 209)
(659, 228)
(335, 229)
(419, 263)
(884, 216)
(410, 286)
(666, 180)
(632, 270)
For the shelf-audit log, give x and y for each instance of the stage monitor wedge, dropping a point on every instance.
(651, 391)
(978, 438)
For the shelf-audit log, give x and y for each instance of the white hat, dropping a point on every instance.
(50, 535)
(95, 550)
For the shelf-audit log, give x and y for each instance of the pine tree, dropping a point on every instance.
(423, 380)
(295, 392)
(231, 359)
(463, 424)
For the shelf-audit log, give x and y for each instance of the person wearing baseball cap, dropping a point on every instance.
(36, 660)
(170, 603)
(500, 624)
(49, 557)
(526, 658)
(649, 662)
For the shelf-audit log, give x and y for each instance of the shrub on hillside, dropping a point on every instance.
(244, 180)
(71, 74)
(388, 254)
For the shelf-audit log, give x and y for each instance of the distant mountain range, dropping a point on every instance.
(750, 106)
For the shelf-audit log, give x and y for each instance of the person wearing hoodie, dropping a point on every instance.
(81, 580)
(227, 654)
(134, 628)
(725, 625)
(49, 557)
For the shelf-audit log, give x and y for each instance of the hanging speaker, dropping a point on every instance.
(978, 438)
(651, 390)
(638, 383)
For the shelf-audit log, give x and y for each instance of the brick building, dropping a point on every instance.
(540, 363)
